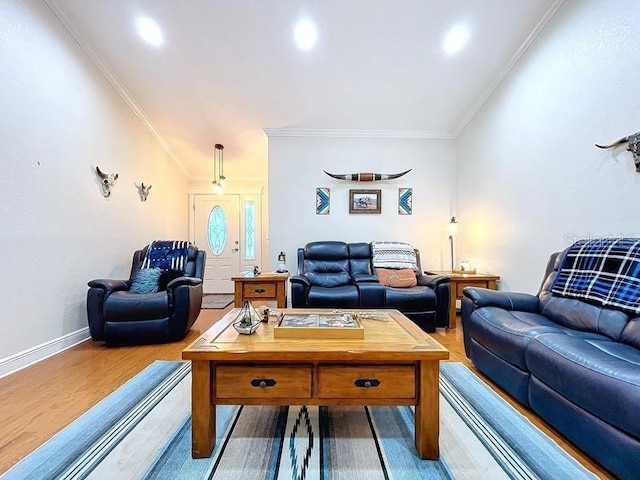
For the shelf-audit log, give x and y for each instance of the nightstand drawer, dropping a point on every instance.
(259, 290)
(268, 381)
(366, 381)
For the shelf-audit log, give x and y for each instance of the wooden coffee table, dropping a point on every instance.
(396, 363)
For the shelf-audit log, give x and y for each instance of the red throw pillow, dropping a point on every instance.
(403, 278)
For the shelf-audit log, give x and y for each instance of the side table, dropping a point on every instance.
(263, 286)
(460, 280)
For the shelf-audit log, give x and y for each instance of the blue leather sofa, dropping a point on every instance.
(119, 316)
(333, 274)
(576, 364)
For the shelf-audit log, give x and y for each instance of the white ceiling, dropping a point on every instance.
(229, 68)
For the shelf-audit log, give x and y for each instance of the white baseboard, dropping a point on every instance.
(38, 353)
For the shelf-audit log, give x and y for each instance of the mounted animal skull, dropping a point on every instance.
(143, 191)
(107, 180)
(633, 145)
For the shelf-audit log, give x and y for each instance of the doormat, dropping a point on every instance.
(217, 300)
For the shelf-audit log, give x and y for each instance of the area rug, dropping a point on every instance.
(143, 430)
(216, 300)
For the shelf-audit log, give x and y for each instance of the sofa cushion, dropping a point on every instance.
(345, 296)
(415, 299)
(598, 375)
(631, 333)
(328, 274)
(125, 306)
(360, 258)
(506, 333)
(401, 278)
(580, 315)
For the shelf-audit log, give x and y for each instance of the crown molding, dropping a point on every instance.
(512, 63)
(347, 133)
(116, 84)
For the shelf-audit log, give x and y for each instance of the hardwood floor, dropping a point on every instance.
(38, 401)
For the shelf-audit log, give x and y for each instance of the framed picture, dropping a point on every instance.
(365, 201)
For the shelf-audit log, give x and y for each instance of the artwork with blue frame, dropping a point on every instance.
(323, 197)
(405, 201)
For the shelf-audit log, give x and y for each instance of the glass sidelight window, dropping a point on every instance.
(249, 230)
(218, 231)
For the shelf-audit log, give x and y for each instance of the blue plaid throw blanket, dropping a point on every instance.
(606, 271)
(167, 255)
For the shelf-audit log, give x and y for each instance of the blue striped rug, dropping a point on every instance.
(143, 430)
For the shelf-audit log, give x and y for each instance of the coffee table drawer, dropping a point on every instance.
(366, 381)
(257, 381)
(259, 290)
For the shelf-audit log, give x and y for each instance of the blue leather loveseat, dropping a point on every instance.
(574, 361)
(333, 274)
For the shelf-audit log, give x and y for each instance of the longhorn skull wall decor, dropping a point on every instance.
(367, 177)
(633, 145)
(107, 180)
(143, 191)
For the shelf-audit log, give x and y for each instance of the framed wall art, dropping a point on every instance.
(405, 201)
(323, 196)
(365, 201)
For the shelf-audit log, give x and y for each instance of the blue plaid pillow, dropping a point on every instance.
(146, 280)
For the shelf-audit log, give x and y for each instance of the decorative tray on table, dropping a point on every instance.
(331, 325)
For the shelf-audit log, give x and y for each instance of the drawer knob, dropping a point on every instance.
(263, 382)
(367, 382)
(260, 290)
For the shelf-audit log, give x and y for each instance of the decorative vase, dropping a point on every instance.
(247, 321)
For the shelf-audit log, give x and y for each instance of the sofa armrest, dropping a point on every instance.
(300, 286)
(109, 285)
(364, 278)
(432, 281)
(484, 297)
(441, 286)
(300, 280)
(188, 281)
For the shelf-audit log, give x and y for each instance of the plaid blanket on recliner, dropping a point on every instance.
(167, 255)
(605, 271)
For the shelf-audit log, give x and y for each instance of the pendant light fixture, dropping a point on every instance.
(218, 168)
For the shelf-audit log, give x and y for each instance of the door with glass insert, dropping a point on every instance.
(217, 230)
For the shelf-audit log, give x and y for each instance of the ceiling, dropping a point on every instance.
(228, 69)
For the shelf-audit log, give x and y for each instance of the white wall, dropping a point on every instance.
(60, 118)
(530, 180)
(296, 167)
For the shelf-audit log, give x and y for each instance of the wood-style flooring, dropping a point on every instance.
(38, 401)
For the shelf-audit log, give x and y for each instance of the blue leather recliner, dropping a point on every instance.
(575, 363)
(333, 274)
(118, 316)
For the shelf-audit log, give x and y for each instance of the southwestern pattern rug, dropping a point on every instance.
(143, 430)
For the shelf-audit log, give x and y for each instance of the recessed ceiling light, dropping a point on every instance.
(149, 31)
(456, 39)
(305, 34)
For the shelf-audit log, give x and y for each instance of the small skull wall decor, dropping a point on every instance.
(107, 180)
(633, 146)
(143, 191)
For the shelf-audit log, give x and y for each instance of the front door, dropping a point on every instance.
(217, 230)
